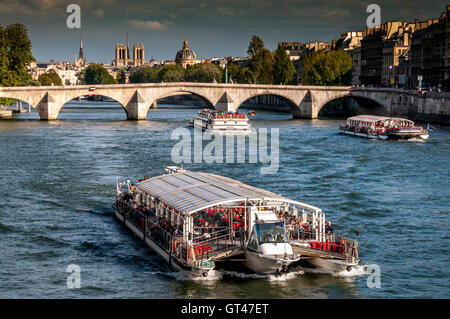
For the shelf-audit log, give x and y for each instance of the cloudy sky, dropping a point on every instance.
(213, 27)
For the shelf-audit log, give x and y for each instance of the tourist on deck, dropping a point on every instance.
(328, 228)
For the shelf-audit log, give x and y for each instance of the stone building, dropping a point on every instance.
(318, 46)
(66, 71)
(430, 52)
(123, 58)
(381, 48)
(293, 49)
(404, 69)
(186, 56)
(393, 48)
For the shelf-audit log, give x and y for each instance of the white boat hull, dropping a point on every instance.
(219, 126)
(378, 137)
(335, 265)
(267, 264)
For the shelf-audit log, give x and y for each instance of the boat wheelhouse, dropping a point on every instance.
(195, 219)
(221, 122)
(383, 127)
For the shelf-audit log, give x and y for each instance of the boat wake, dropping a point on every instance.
(163, 273)
(272, 278)
(92, 211)
(213, 275)
(415, 139)
(359, 270)
(216, 275)
(286, 276)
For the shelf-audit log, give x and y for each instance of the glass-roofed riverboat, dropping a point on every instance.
(195, 219)
(383, 127)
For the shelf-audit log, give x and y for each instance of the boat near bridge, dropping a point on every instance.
(196, 220)
(213, 121)
(383, 128)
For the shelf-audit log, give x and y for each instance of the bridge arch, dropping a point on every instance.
(84, 94)
(287, 103)
(33, 106)
(360, 104)
(205, 99)
(20, 97)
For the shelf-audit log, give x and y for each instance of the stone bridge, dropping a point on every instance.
(305, 101)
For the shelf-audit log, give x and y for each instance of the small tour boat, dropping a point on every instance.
(221, 122)
(252, 113)
(268, 250)
(383, 127)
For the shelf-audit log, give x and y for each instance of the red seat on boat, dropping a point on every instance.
(334, 247)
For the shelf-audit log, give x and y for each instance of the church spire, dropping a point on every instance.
(81, 54)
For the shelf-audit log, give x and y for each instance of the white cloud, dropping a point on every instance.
(147, 25)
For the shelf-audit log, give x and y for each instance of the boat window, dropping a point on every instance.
(271, 232)
(253, 242)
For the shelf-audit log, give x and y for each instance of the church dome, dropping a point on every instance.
(185, 53)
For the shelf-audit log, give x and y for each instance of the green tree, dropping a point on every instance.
(261, 61)
(261, 66)
(245, 76)
(50, 78)
(7, 77)
(233, 72)
(120, 76)
(97, 74)
(283, 70)
(330, 68)
(15, 56)
(19, 50)
(204, 72)
(171, 73)
(255, 46)
(341, 63)
(144, 75)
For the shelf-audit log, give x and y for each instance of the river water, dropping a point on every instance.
(58, 184)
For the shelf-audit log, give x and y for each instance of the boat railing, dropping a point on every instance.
(329, 243)
(203, 248)
(230, 116)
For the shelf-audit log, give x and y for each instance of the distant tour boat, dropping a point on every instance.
(252, 113)
(383, 128)
(221, 122)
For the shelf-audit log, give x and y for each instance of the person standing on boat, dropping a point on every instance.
(328, 230)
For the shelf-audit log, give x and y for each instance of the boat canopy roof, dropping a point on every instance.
(189, 192)
(368, 118)
(376, 118)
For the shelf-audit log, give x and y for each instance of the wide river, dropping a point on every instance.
(58, 183)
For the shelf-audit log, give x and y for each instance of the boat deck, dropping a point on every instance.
(226, 252)
(307, 253)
